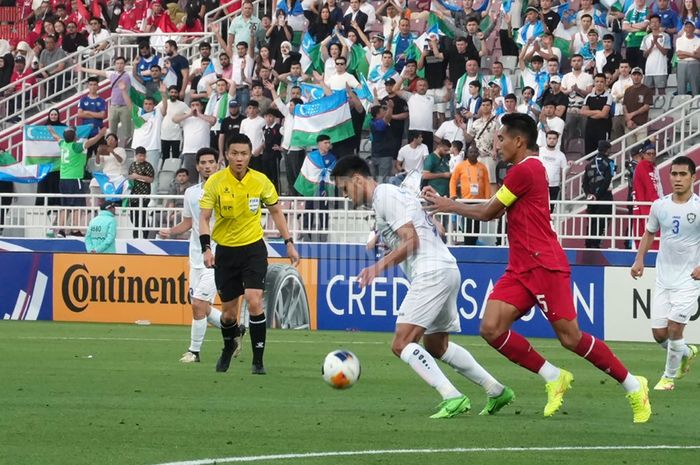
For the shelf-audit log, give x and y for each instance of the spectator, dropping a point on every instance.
(380, 74)
(322, 26)
(688, 53)
(129, 18)
(147, 123)
(637, 102)
(286, 59)
(72, 171)
(482, 133)
(436, 168)
(230, 126)
(272, 151)
(534, 76)
(315, 181)
(549, 122)
(141, 174)
(646, 188)
(432, 60)
(204, 52)
(279, 31)
(118, 111)
(145, 62)
(472, 177)
(92, 108)
(22, 75)
(400, 44)
(577, 85)
(624, 82)
(529, 105)
(668, 16)
(475, 44)
(102, 231)
(453, 129)
(52, 64)
(398, 116)
(471, 75)
(412, 155)
(554, 94)
(596, 107)
(355, 14)
(608, 60)
(532, 27)
(656, 46)
(555, 163)
(550, 18)
(51, 183)
(155, 79)
(257, 94)
(614, 22)
(635, 25)
(171, 132)
(382, 155)
(217, 106)
(180, 66)
(503, 80)
(336, 11)
(420, 110)
(109, 159)
(689, 12)
(545, 48)
(196, 126)
(263, 60)
(177, 190)
(589, 50)
(252, 126)
(73, 39)
(596, 185)
(244, 26)
(456, 155)
(99, 39)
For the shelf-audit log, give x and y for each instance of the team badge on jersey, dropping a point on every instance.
(691, 217)
(254, 204)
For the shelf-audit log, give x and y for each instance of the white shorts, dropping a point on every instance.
(431, 302)
(438, 94)
(677, 305)
(202, 284)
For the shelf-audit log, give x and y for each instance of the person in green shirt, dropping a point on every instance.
(102, 231)
(72, 171)
(436, 168)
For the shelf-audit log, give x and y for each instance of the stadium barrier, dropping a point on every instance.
(54, 280)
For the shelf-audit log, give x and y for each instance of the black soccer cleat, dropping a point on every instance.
(258, 369)
(224, 361)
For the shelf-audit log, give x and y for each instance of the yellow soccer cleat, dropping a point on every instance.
(639, 401)
(449, 408)
(665, 384)
(555, 392)
(685, 362)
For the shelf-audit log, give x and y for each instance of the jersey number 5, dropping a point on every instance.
(542, 303)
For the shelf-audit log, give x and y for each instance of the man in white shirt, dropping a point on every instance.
(420, 109)
(429, 310)
(688, 53)
(677, 270)
(381, 73)
(549, 121)
(242, 72)
(201, 278)
(624, 82)
(655, 47)
(171, 132)
(195, 128)
(102, 39)
(217, 106)
(342, 78)
(452, 129)
(577, 85)
(253, 127)
(411, 155)
(147, 124)
(555, 163)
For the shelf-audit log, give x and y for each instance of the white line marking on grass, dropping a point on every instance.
(260, 458)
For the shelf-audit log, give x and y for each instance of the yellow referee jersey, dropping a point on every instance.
(237, 206)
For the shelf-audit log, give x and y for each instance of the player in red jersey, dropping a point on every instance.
(537, 273)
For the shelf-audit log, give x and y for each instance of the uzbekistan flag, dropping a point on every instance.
(39, 147)
(310, 55)
(315, 176)
(13, 171)
(329, 115)
(117, 186)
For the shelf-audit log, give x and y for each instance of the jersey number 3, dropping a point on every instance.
(676, 226)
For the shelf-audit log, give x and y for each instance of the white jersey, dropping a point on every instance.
(396, 207)
(191, 210)
(679, 252)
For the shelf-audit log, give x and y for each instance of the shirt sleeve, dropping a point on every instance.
(186, 209)
(208, 199)
(269, 193)
(385, 207)
(428, 163)
(653, 221)
(515, 185)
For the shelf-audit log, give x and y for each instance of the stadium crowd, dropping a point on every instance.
(439, 75)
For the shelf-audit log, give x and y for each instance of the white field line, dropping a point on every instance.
(459, 450)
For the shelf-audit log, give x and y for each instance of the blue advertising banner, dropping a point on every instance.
(26, 292)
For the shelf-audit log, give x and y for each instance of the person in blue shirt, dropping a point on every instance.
(383, 145)
(92, 108)
(102, 231)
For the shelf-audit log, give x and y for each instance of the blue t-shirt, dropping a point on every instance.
(145, 65)
(669, 18)
(95, 105)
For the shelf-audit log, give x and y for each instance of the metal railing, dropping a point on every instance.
(674, 132)
(339, 222)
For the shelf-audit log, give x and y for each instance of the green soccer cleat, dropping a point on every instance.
(452, 407)
(665, 384)
(495, 404)
(555, 392)
(686, 361)
(639, 401)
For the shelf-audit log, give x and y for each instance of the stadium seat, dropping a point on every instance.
(672, 81)
(575, 149)
(163, 182)
(509, 62)
(171, 164)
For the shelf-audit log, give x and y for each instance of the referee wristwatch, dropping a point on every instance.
(289, 241)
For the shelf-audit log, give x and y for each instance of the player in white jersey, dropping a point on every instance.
(429, 310)
(677, 269)
(202, 285)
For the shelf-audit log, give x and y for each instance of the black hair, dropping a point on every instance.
(241, 43)
(374, 111)
(205, 45)
(349, 166)
(206, 151)
(174, 87)
(654, 16)
(140, 149)
(182, 170)
(296, 101)
(521, 125)
(413, 135)
(599, 75)
(238, 139)
(156, 66)
(93, 79)
(476, 84)
(322, 137)
(120, 57)
(445, 143)
(458, 145)
(149, 98)
(550, 132)
(575, 55)
(687, 161)
(172, 43)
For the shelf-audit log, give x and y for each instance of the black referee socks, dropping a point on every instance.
(229, 332)
(258, 331)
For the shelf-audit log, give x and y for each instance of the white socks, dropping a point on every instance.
(199, 328)
(214, 317)
(464, 363)
(631, 383)
(549, 372)
(675, 352)
(424, 364)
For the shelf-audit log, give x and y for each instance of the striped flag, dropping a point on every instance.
(117, 186)
(329, 115)
(310, 55)
(315, 176)
(13, 171)
(311, 91)
(438, 25)
(39, 147)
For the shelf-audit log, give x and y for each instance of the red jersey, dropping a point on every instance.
(129, 18)
(645, 182)
(533, 241)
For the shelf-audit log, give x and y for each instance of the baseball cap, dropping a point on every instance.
(637, 70)
(379, 36)
(20, 58)
(555, 78)
(603, 145)
(688, 21)
(494, 83)
(108, 205)
(532, 8)
(233, 103)
(649, 146)
(390, 82)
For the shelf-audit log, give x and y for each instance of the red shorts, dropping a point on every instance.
(550, 290)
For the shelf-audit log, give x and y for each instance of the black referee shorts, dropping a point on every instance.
(240, 268)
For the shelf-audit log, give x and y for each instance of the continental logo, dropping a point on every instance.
(79, 288)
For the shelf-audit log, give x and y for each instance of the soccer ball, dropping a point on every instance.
(341, 369)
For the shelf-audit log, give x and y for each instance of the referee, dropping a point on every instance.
(237, 196)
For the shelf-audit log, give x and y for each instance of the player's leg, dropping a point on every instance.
(254, 271)
(241, 328)
(682, 305)
(229, 284)
(202, 293)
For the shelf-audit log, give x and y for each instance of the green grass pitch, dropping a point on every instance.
(103, 394)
